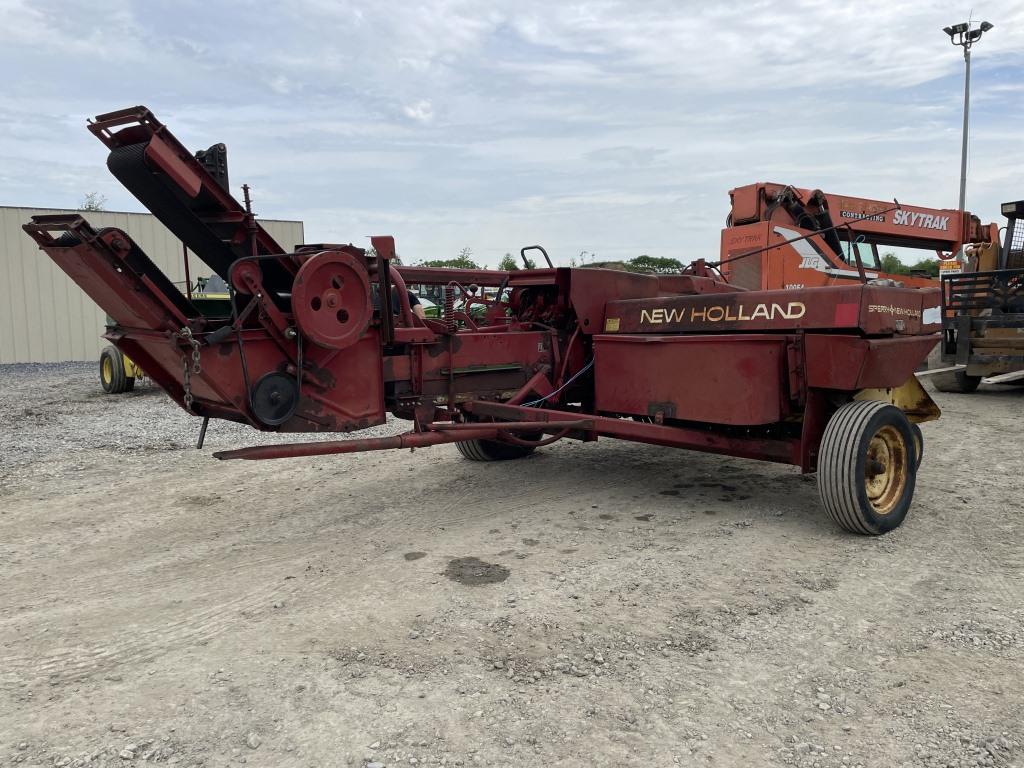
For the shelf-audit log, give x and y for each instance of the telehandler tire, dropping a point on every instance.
(867, 467)
(956, 381)
(492, 450)
(113, 377)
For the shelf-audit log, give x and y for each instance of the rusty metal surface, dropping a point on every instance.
(910, 397)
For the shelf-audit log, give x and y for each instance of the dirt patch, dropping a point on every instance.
(414, 555)
(474, 572)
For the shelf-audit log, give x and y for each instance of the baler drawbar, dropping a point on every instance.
(323, 339)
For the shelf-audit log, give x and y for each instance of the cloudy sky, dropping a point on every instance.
(615, 128)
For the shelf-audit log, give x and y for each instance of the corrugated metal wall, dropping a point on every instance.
(45, 317)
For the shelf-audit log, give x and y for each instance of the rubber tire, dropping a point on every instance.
(118, 382)
(957, 381)
(492, 450)
(918, 444)
(841, 459)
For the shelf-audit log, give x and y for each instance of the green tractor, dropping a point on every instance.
(118, 372)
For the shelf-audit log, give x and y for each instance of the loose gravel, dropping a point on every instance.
(599, 604)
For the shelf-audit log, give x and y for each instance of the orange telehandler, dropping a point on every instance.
(779, 236)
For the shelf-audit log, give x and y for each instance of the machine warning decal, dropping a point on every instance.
(950, 267)
(611, 324)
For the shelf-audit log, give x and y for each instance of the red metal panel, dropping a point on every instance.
(590, 290)
(484, 362)
(893, 310)
(721, 379)
(851, 363)
(165, 158)
(746, 204)
(847, 314)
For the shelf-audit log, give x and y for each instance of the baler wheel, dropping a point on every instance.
(491, 450)
(113, 377)
(918, 444)
(867, 467)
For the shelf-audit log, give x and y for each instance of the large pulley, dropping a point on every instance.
(331, 299)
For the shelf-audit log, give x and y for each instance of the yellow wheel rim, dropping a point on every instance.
(885, 470)
(107, 369)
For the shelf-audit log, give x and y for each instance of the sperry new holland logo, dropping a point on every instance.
(926, 220)
(715, 313)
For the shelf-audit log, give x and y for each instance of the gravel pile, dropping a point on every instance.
(56, 409)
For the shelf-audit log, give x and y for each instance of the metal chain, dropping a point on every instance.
(185, 334)
(187, 384)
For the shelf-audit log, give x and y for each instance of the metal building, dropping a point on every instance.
(45, 317)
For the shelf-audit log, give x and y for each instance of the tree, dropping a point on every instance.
(458, 262)
(508, 263)
(463, 261)
(654, 265)
(928, 267)
(892, 265)
(93, 201)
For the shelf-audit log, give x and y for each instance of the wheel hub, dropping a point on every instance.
(885, 469)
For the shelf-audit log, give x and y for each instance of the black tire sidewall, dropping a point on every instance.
(492, 450)
(118, 380)
(500, 451)
(966, 383)
(915, 430)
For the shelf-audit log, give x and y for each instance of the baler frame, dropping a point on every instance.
(323, 339)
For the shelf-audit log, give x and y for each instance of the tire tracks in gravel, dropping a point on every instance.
(74, 664)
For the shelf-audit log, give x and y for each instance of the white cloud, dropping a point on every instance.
(422, 111)
(280, 84)
(615, 127)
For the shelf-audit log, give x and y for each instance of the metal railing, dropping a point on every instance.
(1001, 292)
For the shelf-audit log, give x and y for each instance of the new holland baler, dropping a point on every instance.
(322, 338)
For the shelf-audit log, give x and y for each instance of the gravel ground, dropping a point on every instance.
(592, 605)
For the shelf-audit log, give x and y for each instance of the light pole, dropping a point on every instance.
(964, 36)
